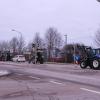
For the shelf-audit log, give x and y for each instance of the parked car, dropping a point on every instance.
(19, 58)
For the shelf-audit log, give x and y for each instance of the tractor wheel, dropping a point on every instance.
(83, 64)
(96, 64)
(41, 61)
(33, 61)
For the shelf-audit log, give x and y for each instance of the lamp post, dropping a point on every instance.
(20, 40)
(17, 32)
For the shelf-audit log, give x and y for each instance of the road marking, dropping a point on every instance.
(19, 74)
(97, 92)
(34, 77)
(55, 82)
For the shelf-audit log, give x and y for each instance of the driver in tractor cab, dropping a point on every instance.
(89, 52)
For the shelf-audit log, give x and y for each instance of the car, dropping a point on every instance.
(19, 58)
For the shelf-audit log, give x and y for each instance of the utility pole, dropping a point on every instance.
(65, 39)
(65, 47)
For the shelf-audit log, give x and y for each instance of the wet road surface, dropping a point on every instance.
(18, 86)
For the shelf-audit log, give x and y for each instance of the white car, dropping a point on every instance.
(19, 58)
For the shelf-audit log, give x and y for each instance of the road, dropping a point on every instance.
(25, 84)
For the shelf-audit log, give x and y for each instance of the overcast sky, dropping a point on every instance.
(79, 19)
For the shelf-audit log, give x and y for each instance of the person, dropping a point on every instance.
(32, 59)
(77, 59)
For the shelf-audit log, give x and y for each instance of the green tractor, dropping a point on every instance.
(37, 55)
(90, 58)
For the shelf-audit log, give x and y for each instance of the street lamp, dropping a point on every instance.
(20, 39)
(17, 32)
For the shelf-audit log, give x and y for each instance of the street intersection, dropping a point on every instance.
(48, 82)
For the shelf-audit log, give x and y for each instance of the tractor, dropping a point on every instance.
(90, 58)
(37, 55)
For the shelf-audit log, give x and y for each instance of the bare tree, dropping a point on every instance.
(14, 44)
(53, 40)
(21, 44)
(97, 38)
(4, 46)
(98, 0)
(29, 46)
(58, 40)
(38, 40)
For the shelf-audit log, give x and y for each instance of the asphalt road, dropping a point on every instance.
(29, 86)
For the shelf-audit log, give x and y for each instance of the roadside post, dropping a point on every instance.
(34, 48)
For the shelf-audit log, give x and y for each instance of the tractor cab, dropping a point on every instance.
(89, 52)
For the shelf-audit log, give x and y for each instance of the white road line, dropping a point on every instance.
(55, 82)
(19, 74)
(97, 92)
(34, 77)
